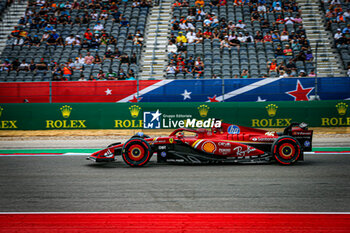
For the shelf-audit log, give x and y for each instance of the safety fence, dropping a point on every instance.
(222, 90)
(36, 116)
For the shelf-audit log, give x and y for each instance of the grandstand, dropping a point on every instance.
(118, 40)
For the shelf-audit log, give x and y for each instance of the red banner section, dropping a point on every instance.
(174, 222)
(70, 92)
(38, 92)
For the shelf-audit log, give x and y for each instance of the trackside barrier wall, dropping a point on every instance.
(32, 116)
(228, 90)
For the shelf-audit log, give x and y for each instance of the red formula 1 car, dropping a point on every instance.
(229, 143)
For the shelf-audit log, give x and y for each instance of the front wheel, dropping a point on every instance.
(286, 150)
(136, 152)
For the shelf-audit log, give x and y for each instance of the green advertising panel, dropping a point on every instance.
(171, 115)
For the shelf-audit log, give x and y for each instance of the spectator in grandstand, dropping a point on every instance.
(85, 45)
(347, 29)
(225, 43)
(189, 68)
(104, 15)
(267, 37)
(280, 20)
(198, 71)
(82, 78)
(191, 36)
(130, 75)
(275, 36)
(241, 38)
(272, 66)
(248, 38)
(182, 48)
(295, 45)
(56, 71)
(22, 21)
(42, 65)
(91, 78)
(111, 75)
(287, 52)
(124, 59)
(245, 74)
(298, 19)
(117, 15)
(277, 7)
(199, 3)
(95, 43)
(108, 54)
(88, 35)
(302, 74)
(98, 27)
(308, 56)
(45, 37)
(23, 66)
(181, 38)
(101, 75)
(121, 74)
(53, 38)
(312, 73)
(283, 74)
(172, 49)
(36, 41)
(78, 65)
(6, 65)
(15, 32)
(89, 59)
(138, 39)
(32, 66)
(291, 68)
(116, 53)
(124, 22)
(133, 59)
(70, 40)
(258, 37)
(170, 69)
(284, 36)
(240, 25)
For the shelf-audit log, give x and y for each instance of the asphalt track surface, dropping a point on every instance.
(70, 183)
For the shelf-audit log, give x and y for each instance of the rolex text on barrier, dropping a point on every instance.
(32, 116)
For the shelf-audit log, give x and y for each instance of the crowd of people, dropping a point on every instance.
(338, 17)
(292, 45)
(44, 26)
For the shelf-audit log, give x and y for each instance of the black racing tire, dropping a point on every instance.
(136, 152)
(286, 150)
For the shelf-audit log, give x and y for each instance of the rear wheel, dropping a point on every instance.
(136, 152)
(286, 150)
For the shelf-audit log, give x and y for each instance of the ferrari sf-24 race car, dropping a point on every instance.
(228, 143)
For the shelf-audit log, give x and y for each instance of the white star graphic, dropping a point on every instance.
(108, 91)
(260, 100)
(186, 94)
(156, 115)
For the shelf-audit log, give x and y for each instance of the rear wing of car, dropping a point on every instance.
(300, 132)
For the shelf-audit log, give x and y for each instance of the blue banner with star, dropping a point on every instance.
(240, 90)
